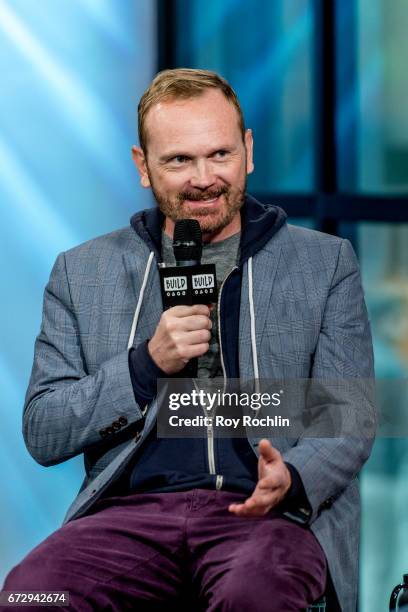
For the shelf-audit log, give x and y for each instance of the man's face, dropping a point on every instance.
(196, 162)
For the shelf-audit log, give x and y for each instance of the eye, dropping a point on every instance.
(179, 159)
(222, 153)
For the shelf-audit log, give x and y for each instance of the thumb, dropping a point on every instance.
(267, 451)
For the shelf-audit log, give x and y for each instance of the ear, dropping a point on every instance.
(249, 147)
(141, 165)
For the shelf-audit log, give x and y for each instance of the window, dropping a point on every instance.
(324, 86)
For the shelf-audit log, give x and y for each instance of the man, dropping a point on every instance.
(251, 524)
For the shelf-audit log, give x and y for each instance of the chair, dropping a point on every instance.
(318, 606)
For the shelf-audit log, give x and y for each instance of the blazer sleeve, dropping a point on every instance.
(343, 352)
(66, 409)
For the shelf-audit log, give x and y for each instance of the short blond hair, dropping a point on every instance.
(182, 84)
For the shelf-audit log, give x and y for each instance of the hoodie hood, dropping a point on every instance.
(259, 222)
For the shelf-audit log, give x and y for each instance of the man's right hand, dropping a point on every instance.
(183, 333)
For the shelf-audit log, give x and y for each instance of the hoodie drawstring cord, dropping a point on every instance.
(139, 301)
(252, 317)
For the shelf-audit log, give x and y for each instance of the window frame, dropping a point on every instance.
(326, 204)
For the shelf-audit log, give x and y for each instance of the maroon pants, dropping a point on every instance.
(138, 553)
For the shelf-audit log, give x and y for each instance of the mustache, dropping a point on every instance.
(195, 196)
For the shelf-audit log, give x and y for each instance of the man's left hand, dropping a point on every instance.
(274, 481)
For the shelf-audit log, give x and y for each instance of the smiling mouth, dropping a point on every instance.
(206, 202)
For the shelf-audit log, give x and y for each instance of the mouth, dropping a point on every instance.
(205, 203)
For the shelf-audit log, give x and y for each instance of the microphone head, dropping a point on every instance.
(187, 241)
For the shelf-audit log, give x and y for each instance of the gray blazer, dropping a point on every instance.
(311, 321)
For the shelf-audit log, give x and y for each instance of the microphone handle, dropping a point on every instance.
(190, 370)
(180, 263)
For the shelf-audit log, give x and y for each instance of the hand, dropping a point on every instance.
(183, 333)
(274, 481)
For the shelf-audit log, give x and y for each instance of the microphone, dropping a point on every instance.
(188, 282)
(187, 243)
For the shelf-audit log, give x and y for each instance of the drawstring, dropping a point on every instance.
(252, 317)
(139, 301)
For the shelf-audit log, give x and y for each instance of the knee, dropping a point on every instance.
(45, 571)
(34, 573)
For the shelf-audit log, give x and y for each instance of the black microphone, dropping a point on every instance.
(188, 282)
(187, 243)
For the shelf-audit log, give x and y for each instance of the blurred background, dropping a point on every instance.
(323, 85)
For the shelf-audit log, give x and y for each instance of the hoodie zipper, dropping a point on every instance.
(210, 430)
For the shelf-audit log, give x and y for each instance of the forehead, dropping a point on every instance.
(208, 117)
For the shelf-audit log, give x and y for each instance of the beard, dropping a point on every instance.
(211, 221)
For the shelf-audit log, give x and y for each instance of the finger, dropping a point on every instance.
(195, 322)
(257, 501)
(187, 311)
(267, 451)
(263, 497)
(242, 508)
(251, 508)
(268, 483)
(276, 478)
(196, 337)
(195, 350)
(267, 492)
(274, 473)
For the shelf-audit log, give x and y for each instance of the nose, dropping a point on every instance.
(202, 176)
